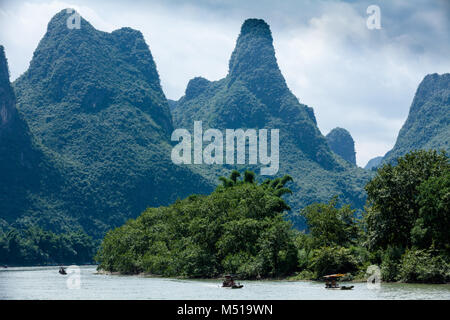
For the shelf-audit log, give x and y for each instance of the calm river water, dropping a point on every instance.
(46, 283)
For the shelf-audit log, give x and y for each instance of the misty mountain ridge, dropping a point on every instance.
(373, 163)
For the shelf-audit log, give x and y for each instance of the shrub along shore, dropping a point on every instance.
(241, 228)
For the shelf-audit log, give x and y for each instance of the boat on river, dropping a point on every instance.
(62, 270)
(331, 282)
(229, 283)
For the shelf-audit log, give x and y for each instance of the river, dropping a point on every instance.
(45, 283)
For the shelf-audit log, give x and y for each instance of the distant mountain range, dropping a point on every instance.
(88, 145)
(373, 163)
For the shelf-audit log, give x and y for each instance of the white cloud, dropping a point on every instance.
(183, 48)
(353, 77)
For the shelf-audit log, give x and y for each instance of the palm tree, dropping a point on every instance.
(234, 175)
(276, 185)
(226, 182)
(249, 176)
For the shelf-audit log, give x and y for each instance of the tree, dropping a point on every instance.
(329, 225)
(423, 266)
(239, 228)
(249, 176)
(434, 202)
(393, 197)
(329, 260)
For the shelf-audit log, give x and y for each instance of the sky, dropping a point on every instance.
(354, 77)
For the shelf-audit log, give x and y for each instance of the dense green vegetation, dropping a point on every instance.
(240, 229)
(341, 143)
(404, 228)
(34, 246)
(408, 218)
(332, 241)
(408, 202)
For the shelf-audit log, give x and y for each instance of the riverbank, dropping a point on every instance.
(292, 278)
